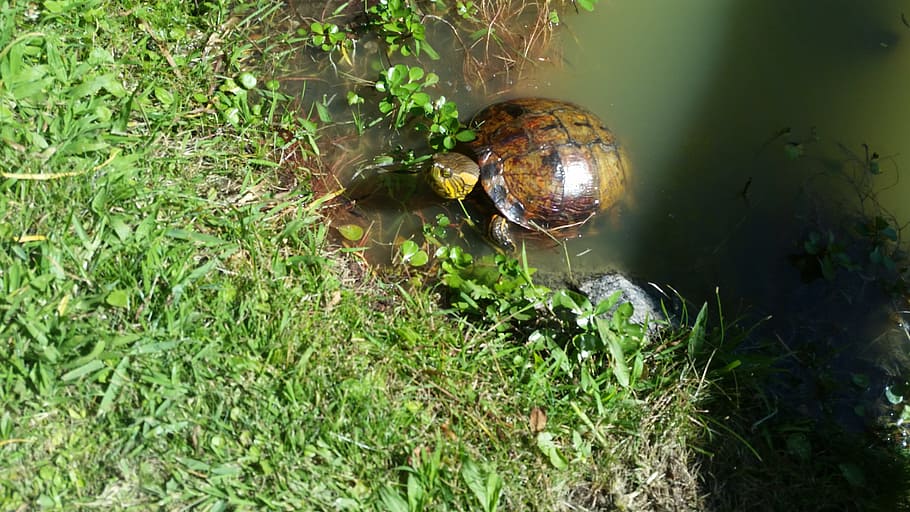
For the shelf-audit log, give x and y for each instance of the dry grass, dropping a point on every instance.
(516, 36)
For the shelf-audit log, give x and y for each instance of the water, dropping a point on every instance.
(696, 91)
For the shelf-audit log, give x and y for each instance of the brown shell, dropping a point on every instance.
(547, 163)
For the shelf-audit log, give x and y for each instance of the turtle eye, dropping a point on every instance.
(443, 171)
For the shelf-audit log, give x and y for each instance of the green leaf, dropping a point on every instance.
(548, 447)
(153, 348)
(426, 48)
(415, 73)
(494, 491)
(874, 166)
(860, 380)
(587, 5)
(247, 80)
(696, 337)
(422, 100)
(82, 146)
(164, 96)
(118, 298)
(432, 79)
(416, 493)
(57, 7)
(487, 493)
(121, 228)
(93, 84)
(793, 150)
(29, 83)
(465, 136)
(117, 380)
(893, 398)
(354, 98)
(419, 259)
(351, 232)
(408, 248)
(87, 368)
(232, 116)
(607, 304)
(853, 474)
(396, 74)
(322, 110)
(392, 500)
(91, 356)
(620, 369)
(570, 300)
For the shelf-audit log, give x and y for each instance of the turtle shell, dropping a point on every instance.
(547, 164)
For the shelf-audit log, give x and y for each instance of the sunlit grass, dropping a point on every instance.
(178, 331)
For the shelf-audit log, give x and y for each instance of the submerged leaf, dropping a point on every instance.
(793, 150)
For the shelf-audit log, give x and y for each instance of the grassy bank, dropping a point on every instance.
(179, 333)
(180, 329)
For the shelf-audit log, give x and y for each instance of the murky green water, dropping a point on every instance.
(698, 90)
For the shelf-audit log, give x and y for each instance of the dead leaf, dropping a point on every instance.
(538, 420)
(447, 431)
(333, 301)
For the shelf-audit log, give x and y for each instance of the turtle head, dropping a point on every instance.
(453, 175)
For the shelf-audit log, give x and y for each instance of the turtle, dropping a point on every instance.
(546, 165)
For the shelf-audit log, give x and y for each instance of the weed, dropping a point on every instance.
(404, 86)
(400, 26)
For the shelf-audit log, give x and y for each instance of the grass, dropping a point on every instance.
(180, 332)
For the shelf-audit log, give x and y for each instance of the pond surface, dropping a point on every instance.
(698, 92)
